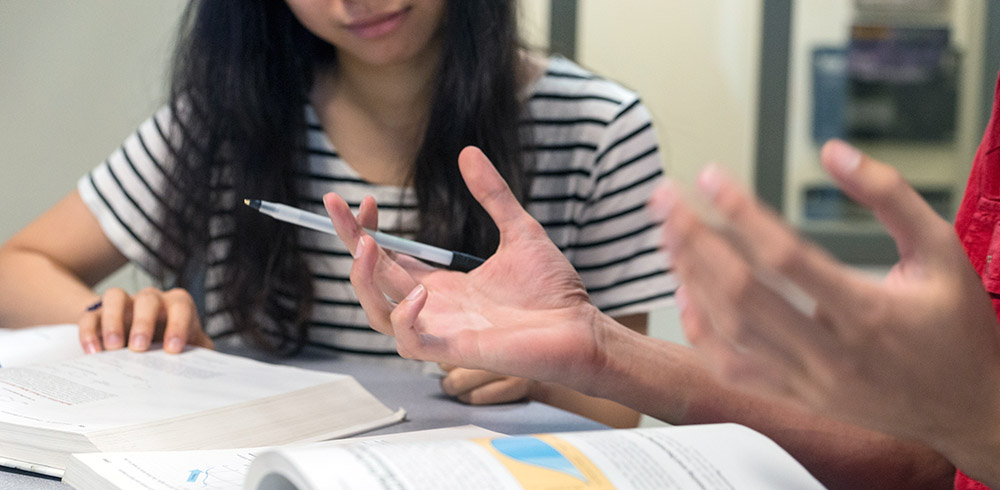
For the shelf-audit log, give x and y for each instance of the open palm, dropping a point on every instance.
(523, 312)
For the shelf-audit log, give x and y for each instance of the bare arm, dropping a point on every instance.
(671, 382)
(606, 411)
(47, 271)
(48, 268)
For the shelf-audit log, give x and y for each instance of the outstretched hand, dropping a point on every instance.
(917, 355)
(524, 312)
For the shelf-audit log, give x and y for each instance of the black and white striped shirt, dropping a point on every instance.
(596, 159)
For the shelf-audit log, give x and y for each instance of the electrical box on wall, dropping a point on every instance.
(889, 83)
(934, 6)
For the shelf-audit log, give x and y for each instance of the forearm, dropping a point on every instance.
(668, 381)
(34, 290)
(838, 454)
(602, 410)
(980, 459)
(973, 444)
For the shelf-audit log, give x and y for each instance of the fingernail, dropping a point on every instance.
(139, 341)
(113, 341)
(91, 347)
(844, 157)
(417, 291)
(360, 248)
(710, 180)
(174, 345)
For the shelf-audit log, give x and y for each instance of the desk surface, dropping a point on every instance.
(419, 394)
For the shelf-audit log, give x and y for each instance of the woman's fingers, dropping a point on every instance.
(182, 319)
(506, 389)
(116, 314)
(147, 309)
(90, 332)
(150, 315)
(460, 381)
(479, 387)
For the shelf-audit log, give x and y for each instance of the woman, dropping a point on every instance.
(286, 101)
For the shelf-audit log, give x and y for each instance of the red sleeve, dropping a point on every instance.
(963, 482)
(978, 226)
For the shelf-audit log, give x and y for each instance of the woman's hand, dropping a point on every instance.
(524, 312)
(136, 321)
(916, 356)
(478, 387)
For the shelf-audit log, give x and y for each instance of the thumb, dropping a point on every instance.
(881, 188)
(489, 188)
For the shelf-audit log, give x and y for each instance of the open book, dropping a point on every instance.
(706, 457)
(214, 469)
(198, 399)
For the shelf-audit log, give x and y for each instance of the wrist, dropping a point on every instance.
(976, 450)
(617, 348)
(649, 375)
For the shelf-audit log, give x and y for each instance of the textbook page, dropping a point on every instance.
(707, 457)
(218, 469)
(197, 399)
(34, 345)
(90, 393)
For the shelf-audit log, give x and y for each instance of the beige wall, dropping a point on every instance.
(534, 20)
(696, 66)
(76, 78)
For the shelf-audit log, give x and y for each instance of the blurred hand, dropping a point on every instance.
(523, 312)
(916, 356)
(478, 387)
(151, 315)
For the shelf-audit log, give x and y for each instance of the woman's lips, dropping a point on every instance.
(378, 25)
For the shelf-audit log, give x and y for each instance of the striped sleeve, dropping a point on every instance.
(617, 250)
(127, 194)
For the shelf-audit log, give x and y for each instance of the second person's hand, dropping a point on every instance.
(136, 321)
(524, 312)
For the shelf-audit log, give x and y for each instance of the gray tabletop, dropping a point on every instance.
(418, 393)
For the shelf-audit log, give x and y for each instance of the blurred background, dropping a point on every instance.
(756, 85)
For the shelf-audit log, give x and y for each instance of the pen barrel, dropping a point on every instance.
(314, 222)
(464, 262)
(453, 260)
(423, 251)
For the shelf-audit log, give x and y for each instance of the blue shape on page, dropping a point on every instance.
(536, 452)
(193, 476)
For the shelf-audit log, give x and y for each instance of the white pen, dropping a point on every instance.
(453, 260)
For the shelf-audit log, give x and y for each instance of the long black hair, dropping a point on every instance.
(241, 78)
